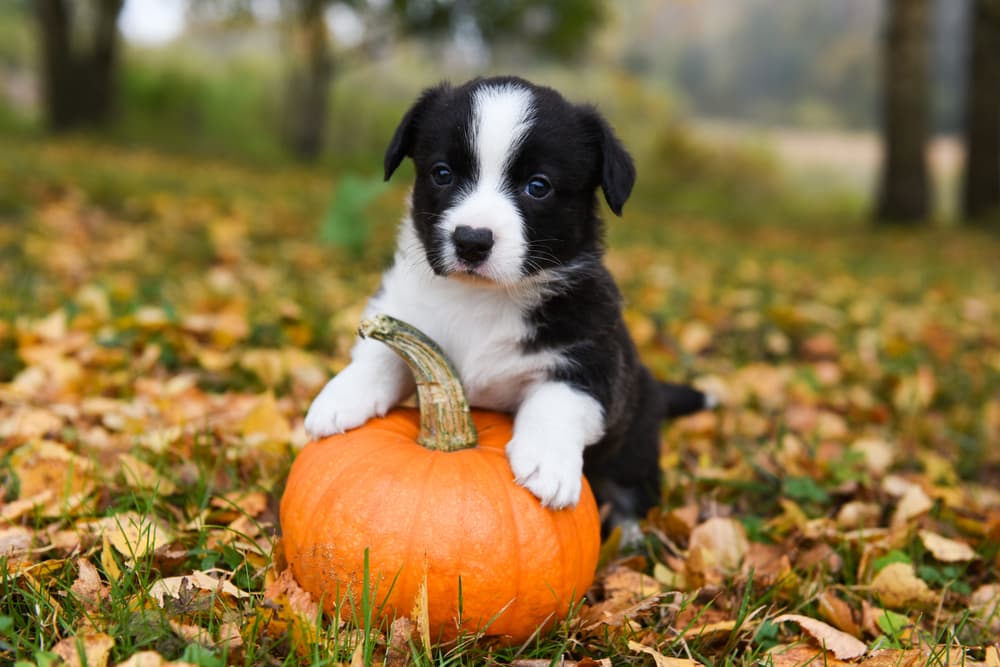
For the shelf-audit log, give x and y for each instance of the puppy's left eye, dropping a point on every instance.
(538, 187)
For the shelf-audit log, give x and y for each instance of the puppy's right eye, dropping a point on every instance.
(441, 174)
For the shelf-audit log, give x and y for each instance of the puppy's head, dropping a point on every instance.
(506, 175)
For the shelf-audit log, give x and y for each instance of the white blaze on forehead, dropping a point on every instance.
(502, 116)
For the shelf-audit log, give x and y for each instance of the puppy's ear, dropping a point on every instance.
(617, 168)
(401, 145)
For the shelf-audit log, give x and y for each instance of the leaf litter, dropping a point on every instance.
(163, 345)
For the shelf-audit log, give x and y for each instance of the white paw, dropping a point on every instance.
(343, 405)
(550, 470)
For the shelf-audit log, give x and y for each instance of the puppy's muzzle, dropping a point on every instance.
(472, 244)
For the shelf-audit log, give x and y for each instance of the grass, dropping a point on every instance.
(163, 299)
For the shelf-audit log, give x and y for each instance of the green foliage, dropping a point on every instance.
(345, 225)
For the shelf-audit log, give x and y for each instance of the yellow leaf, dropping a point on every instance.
(265, 422)
(946, 550)
(722, 541)
(898, 586)
(914, 503)
(133, 536)
(108, 561)
(420, 613)
(841, 644)
(140, 474)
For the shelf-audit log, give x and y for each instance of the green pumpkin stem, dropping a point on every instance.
(445, 421)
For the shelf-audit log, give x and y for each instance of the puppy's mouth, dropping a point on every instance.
(471, 273)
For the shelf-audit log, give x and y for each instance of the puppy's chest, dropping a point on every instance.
(482, 332)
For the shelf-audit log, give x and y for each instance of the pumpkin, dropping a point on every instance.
(423, 502)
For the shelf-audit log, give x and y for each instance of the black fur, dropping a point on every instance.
(581, 314)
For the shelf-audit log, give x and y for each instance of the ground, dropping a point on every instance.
(165, 321)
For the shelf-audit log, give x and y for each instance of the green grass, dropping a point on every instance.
(102, 233)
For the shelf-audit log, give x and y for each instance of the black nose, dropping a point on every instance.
(472, 244)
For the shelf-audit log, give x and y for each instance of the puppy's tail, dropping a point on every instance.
(679, 400)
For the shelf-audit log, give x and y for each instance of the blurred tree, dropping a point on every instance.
(981, 192)
(903, 190)
(559, 28)
(79, 56)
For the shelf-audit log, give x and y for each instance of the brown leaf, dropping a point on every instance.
(804, 656)
(397, 653)
(91, 650)
(152, 659)
(838, 612)
(88, 585)
(841, 644)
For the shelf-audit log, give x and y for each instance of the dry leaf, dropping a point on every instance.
(804, 656)
(420, 613)
(841, 644)
(661, 660)
(838, 612)
(152, 659)
(172, 586)
(142, 475)
(134, 536)
(91, 650)
(946, 550)
(265, 422)
(722, 542)
(397, 653)
(88, 585)
(914, 503)
(898, 586)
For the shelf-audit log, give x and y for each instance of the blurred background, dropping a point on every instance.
(868, 102)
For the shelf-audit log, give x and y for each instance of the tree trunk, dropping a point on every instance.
(310, 80)
(79, 79)
(981, 192)
(903, 191)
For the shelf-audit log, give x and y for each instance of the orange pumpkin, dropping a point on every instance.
(493, 558)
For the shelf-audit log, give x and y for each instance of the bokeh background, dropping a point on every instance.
(192, 217)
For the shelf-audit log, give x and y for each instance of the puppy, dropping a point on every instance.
(499, 261)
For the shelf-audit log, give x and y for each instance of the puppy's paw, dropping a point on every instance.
(342, 406)
(550, 470)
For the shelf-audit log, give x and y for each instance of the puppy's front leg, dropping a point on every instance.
(374, 381)
(553, 425)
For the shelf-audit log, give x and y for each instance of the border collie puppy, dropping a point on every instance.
(499, 261)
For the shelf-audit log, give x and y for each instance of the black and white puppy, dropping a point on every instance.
(499, 261)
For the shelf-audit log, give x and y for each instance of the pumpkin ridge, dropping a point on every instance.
(502, 475)
(410, 592)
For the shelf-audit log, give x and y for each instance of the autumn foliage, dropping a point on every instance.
(164, 324)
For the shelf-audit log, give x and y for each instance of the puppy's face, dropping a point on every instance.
(505, 178)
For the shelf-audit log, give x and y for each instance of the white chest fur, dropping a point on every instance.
(480, 326)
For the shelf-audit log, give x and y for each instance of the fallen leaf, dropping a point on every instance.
(841, 644)
(88, 585)
(838, 612)
(898, 586)
(172, 586)
(722, 542)
(265, 422)
(804, 656)
(91, 650)
(914, 503)
(947, 550)
(141, 475)
(397, 652)
(659, 659)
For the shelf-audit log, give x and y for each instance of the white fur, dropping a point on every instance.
(553, 425)
(480, 326)
(502, 116)
(478, 317)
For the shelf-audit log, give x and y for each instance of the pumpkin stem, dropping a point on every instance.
(445, 421)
